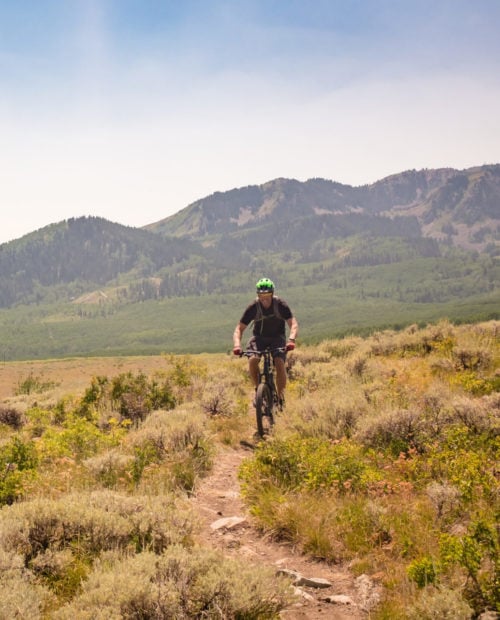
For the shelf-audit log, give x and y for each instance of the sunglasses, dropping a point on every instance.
(265, 293)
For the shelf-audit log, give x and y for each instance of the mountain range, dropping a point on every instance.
(428, 240)
(445, 203)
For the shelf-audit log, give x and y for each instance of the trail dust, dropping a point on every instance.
(326, 591)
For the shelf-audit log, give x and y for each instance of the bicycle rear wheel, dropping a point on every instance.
(264, 409)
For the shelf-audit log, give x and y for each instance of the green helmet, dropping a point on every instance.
(265, 285)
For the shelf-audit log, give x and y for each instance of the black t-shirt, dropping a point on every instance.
(266, 323)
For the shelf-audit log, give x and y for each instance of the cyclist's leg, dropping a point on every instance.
(253, 369)
(279, 364)
(253, 362)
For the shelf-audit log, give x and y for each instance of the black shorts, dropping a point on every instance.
(259, 343)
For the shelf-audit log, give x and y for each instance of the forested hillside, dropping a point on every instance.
(418, 246)
(63, 260)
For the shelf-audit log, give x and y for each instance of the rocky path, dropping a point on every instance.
(324, 591)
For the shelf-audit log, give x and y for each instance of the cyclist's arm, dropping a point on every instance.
(294, 328)
(238, 332)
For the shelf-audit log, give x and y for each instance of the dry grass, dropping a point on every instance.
(424, 406)
(386, 457)
(69, 376)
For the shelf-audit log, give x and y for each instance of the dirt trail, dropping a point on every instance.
(218, 498)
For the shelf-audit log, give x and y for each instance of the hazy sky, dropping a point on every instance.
(133, 109)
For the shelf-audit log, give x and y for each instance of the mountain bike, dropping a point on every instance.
(266, 395)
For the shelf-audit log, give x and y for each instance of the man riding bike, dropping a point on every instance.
(269, 314)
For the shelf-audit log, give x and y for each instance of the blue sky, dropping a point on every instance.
(133, 109)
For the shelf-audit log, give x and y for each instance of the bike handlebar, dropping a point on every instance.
(250, 352)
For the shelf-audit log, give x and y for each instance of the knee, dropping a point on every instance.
(279, 363)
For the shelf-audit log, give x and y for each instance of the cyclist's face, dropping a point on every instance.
(265, 299)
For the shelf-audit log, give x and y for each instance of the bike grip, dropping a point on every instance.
(237, 351)
(290, 346)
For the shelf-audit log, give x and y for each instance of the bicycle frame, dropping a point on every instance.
(266, 396)
(266, 375)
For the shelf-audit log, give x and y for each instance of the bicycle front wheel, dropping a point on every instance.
(264, 409)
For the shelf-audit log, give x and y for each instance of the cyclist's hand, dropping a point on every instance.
(237, 351)
(290, 346)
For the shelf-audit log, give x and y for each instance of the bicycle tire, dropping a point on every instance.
(264, 409)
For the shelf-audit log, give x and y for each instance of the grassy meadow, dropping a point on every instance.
(385, 460)
(329, 298)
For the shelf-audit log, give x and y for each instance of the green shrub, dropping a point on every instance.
(110, 468)
(39, 420)
(179, 584)
(423, 572)
(33, 384)
(184, 368)
(20, 594)
(473, 383)
(464, 459)
(479, 415)
(471, 358)
(90, 523)
(62, 571)
(478, 553)
(20, 453)
(131, 396)
(57, 542)
(336, 529)
(305, 463)
(144, 454)
(444, 497)
(187, 376)
(190, 465)
(161, 395)
(93, 397)
(79, 439)
(414, 341)
(396, 431)
(18, 463)
(333, 417)
(176, 439)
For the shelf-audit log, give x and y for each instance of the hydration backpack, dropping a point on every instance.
(261, 317)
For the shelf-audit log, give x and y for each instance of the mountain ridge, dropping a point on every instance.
(225, 229)
(440, 199)
(414, 247)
